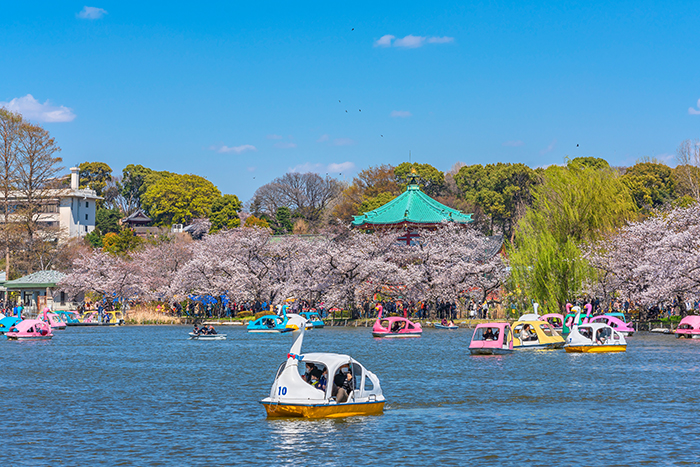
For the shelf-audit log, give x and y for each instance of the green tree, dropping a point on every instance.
(178, 199)
(283, 221)
(370, 204)
(592, 162)
(95, 175)
(367, 184)
(430, 179)
(500, 191)
(572, 207)
(107, 220)
(135, 182)
(651, 184)
(224, 213)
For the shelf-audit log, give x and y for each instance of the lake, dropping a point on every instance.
(146, 395)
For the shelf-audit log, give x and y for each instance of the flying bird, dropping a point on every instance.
(577, 145)
(382, 136)
(360, 110)
(338, 100)
(346, 111)
(353, 29)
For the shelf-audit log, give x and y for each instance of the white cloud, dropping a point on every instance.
(549, 148)
(251, 169)
(331, 169)
(513, 144)
(384, 41)
(323, 138)
(274, 136)
(286, 145)
(235, 149)
(342, 167)
(34, 110)
(693, 111)
(401, 113)
(410, 41)
(343, 142)
(440, 40)
(91, 12)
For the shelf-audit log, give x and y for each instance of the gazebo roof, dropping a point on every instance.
(411, 208)
(37, 280)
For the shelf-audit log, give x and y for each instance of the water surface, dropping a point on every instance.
(148, 396)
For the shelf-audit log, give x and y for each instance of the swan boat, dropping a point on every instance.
(535, 334)
(291, 396)
(689, 327)
(491, 339)
(29, 330)
(6, 322)
(555, 320)
(53, 319)
(594, 337)
(313, 318)
(287, 322)
(395, 326)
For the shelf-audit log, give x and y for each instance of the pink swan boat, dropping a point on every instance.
(555, 320)
(52, 318)
(30, 329)
(491, 339)
(616, 323)
(395, 326)
(689, 327)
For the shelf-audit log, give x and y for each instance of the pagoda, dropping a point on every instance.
(411, 211)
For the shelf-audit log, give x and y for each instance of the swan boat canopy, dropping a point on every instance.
(594, 338)
(292, 396)
(555, 320)
(615, 323)
(491, 339)
(535, 334)
(689, 327)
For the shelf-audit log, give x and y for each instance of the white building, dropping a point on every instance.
(71, 210)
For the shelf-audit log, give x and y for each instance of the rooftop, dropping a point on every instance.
(37, 280)
(412, 207)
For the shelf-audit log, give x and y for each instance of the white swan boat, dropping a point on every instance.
(594, 337)
(292, 396)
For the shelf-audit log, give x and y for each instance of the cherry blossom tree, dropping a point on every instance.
(652, 262)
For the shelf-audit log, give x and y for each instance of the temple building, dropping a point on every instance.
(410, 212)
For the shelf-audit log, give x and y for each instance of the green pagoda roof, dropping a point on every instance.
(412, 207)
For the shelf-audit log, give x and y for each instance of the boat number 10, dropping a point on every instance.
(282, 391)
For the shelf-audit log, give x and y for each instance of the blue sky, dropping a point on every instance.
(241, 93)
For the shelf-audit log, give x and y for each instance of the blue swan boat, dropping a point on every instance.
(313, 318)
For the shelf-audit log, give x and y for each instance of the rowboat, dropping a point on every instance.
(207, 337)
(442, 326)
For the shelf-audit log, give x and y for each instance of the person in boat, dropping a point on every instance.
(444, 322)
(345, 383)
(323, 380)
(451, 323)
(195, 330)
(398, 326)
(488, 335)
(211, 330)
(310, 367)
(528, 334)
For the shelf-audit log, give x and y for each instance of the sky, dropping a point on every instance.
(243, 92)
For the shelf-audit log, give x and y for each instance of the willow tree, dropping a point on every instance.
(573, 206)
